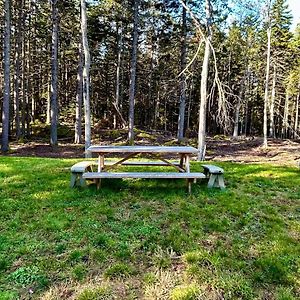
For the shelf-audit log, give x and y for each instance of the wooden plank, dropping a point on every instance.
(171, 164)
(213, 169)
(80, 167)
(187, 163)
(141, 163)
(144, 163)
(154, 175)
(143, 149)
(121, 161)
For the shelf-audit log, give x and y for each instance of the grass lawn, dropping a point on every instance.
(146, 239)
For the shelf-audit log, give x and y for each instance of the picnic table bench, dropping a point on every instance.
(215, 175)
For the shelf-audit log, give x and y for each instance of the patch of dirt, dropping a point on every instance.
(40, 149)
(250, 150)
(244, 150)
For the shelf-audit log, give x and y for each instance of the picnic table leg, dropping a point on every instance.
(212, 180)
(73, 179)
(100, 168)
(189, 183)
(187, 169)
(216, 180)
(187, 163)
(182, 161)
(221, 182)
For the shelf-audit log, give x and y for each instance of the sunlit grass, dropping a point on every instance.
(147, 239)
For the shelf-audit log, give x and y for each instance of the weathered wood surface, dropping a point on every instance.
(81, 167)
(154, 175)
(78, 169)
(213, 169)
(216, 180)
(143, 149)
(141, 163)
(147, 163)
(215, 175)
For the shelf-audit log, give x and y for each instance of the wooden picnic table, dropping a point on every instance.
(155, 152)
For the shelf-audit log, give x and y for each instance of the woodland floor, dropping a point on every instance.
(243, 150)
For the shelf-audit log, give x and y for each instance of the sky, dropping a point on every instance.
(294, 6)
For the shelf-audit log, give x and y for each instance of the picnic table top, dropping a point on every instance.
(143, 149)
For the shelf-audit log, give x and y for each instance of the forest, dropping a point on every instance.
(191, 68)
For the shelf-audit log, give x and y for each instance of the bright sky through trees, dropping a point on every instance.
(294, 6)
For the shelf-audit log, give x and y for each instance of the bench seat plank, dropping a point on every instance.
(213, 169)
(81, 167)
(154, 175)
(78, 169)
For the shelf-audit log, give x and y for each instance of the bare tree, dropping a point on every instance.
(297, 125)
(183, 86)
(54, 74)
(6, 94)
(118, 68)
(86, 79)
(17, 75)
(272, 103)
(204, 79)
(133, 71)
(78, 127)
(266, 98)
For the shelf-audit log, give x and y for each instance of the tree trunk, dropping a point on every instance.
(236, 119)
(272, 102)
(86, 79)
(23, 70)
(190, 102)
(78, 127)
(266, 99)
(54, 74)
(18, 73)
(296, 126)
(204, 80)
(285, 122)
(48, 113)
(28, 82)
(239, 103)
(156, 110)
(182, 100)
(133, 72)
(6, 94)
(118, 71)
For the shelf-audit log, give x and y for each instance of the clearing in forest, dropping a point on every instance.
(146, 239)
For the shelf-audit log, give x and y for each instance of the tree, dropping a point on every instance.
(54, 74)
(183, 85)
(6, 94)
(280, 60)
(204, 80)
(133, 71)
(78, 130)
(17, 75)
(86, 78)
(266, 98)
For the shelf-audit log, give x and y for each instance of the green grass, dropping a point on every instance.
(137, 239)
